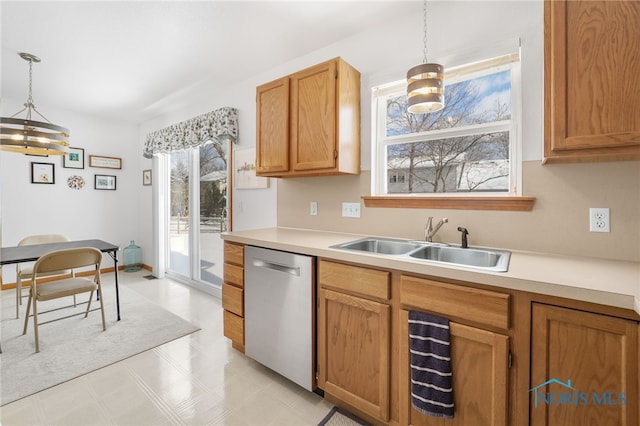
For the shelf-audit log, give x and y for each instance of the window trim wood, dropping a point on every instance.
(508, 203)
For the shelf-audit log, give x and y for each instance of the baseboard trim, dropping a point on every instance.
(9, 286)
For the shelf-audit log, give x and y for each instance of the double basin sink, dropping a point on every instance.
(471, 257)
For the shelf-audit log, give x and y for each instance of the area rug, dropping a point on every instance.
(338, 417)
(75, 346)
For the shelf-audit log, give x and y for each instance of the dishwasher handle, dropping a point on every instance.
(276, 267)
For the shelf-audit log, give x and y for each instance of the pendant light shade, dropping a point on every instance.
(425, 82)
(425, 88)
(27, 136)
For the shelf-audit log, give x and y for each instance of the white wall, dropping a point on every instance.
(384, 54)
(381, 54)
(57, 209)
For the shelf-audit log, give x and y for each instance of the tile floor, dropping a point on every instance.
(195, 380)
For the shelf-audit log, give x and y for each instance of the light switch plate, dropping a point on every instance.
(350, 209)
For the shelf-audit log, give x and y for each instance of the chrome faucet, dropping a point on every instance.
(430, 230)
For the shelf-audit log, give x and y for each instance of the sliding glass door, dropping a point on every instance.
(179, 214)
(198, 213)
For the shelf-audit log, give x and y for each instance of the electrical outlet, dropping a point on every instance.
(599, 220)
(350, 209)
(313, 208)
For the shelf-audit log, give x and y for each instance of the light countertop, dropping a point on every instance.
(607, 282)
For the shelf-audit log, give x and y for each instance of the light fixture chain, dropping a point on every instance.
(30, 100)
(424, 16)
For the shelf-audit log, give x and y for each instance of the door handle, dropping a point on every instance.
(276, 267)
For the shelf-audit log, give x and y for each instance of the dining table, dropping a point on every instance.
(32, 252)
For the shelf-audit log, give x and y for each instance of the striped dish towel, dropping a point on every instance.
(431, 378)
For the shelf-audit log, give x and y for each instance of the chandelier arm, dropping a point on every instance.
(40, 114)
(19, 112)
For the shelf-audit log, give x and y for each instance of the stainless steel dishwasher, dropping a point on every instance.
(279, 311)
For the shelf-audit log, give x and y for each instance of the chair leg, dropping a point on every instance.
(104, 324)
(35, 323)
(86, 314)
(26, 317)
(18, 296)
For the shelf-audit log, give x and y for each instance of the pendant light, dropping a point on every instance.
(425, 82)
(28, 136)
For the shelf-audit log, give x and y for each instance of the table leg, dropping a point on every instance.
(114, 256)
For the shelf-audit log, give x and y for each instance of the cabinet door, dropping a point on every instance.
(595, 357)
(353, 351)
(479, 363)
(313, 118)
(592, 80)
(272, 125)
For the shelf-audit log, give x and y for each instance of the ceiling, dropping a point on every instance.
(129, 60)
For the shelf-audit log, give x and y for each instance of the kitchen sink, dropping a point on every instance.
(380, 246)
(497, 260)
(472, 257)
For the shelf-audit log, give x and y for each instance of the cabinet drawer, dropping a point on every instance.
(481, 306)
(363, 281)
(234, 275)
(233, 299)
(234, 327)
(233, 253)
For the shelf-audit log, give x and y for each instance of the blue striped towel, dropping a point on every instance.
(429, 345)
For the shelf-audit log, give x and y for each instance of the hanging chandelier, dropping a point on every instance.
(28, 136)
(425, 82)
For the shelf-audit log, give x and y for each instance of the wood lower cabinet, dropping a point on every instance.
(308, 123)
(591, 80)
(592, 363)
(479, 360)
(233, 294)
(479, 357)
(354, 337)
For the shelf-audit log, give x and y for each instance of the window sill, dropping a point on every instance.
(508, 203)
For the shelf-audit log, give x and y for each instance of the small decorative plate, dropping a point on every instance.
(75, 182)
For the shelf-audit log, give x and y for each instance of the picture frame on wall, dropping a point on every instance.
(43, 173)
(105, 182)
(244, 170)
(105, 162)
(74, 159)
(146, 177)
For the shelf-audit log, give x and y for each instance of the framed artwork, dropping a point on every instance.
(43, 173)
(146, 177)
(105, 162)
(74, 159)
(244, 170)
(107, 182)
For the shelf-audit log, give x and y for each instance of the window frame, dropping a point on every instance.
(512, 199)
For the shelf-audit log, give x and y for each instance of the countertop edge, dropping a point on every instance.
(528, 271)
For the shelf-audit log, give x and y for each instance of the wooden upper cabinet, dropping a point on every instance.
(272, 121)
(313, 118)
(592, 80)
(308, 123)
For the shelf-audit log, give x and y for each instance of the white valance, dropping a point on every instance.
(216, 125)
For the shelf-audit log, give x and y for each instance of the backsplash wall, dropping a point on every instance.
(558, 223)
